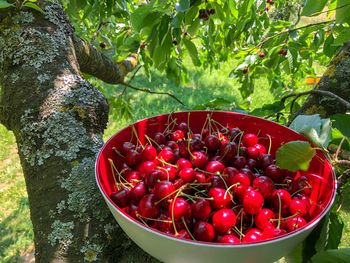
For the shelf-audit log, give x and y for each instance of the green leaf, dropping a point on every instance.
(182, 5)
(332, 256)
(314, 128)
(341, 122)
(311, 7)
(336, 227)
(192, 50)
(268, 109)
(342, 13)
(144, 16)
(295, 155)
(5, 4)
(247, 87)
(34, 6)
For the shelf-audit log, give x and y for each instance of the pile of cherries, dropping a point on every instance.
(218, 185)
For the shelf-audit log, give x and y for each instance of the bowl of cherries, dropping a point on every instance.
(204, 186)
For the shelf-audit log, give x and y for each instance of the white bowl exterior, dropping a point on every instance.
(172, 250)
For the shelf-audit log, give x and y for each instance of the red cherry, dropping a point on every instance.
(249, 139)
(159, 138)
(170, 172)
(187, 175)
(147, 167)
(121, 197)
(252, 235)
(212, 143)
(138, 191)
(262, 54)
(220, 198)
(152, 178)
(264, 185)
(133, 177)
(272, 232)
(199, 159)
(261, 148)
(239, 162)
(164, 190)
(183, 234)
(204, 231)
(179, 207)
(149, 153)
(215, 167)
(253, 201)
(147, 207)
(183, 127)
(264, 218)
(294, 223)
(280, 197)
(228, 151)
(201, 209)
(127, 147)
(132, 158)
(298, 207)
(223, 220)
(177, 135)
(200, 177)
(266, 160)
(275, 173)
(253, 152)
(241, 183)
(229, 239)
(166, 155)
(183, 163)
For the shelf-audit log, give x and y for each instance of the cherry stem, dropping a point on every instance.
(239, 232)
(117, 152)
(168, 195)
(172, 211)
(188, 230)
(113, 173)
(137, 137)
(270, 143)
(239, 142)
(285, 218)
(231, 186)
(151, 141)
(279, 211)
(119, 176)
(205, 123)
(168, 129)
(143, 221)
(153, 219)
(302, 189)
(188, 124)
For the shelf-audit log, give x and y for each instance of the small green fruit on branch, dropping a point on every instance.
(295, 155)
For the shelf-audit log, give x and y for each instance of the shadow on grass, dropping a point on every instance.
(15, 233)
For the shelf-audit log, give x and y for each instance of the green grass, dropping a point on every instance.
(15, 225)
(204, 85)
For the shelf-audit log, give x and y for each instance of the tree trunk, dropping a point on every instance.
(58, 120)
(336, 79)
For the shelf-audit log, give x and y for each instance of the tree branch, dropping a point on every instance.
(318, 92)
(93, 62)
(152, 92)
(289, 30)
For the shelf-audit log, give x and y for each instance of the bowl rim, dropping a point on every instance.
(159, 233)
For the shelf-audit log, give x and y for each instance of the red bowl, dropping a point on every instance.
(169, 249)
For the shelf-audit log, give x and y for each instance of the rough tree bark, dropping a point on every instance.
(58, 120)
(336, 79)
